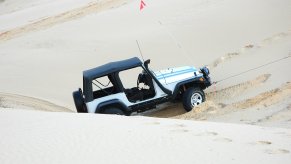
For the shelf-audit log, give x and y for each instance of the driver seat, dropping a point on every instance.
(147, 80)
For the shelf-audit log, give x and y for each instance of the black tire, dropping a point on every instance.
(113, 110)
(79, 102)
(193, 97)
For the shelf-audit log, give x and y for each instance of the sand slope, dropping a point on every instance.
(59, 12)
(12, 101)
(41, 137)
(44, 50)
(188, 30)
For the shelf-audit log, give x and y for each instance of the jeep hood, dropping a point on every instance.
(177, 74)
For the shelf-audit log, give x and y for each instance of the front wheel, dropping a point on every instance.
(193, 97)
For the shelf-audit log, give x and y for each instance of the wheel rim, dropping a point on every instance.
(196, 99)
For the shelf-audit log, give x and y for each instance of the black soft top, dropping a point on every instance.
(111, 67)
(103, 70)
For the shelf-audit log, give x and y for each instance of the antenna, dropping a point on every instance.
(139, 50)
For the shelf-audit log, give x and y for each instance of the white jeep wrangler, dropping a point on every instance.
(104, 89)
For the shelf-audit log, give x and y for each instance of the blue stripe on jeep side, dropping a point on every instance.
(176, 73)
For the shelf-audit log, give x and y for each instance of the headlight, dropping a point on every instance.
(205, 71)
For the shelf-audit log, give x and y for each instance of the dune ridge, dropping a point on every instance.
(61, 18)
(12, 101)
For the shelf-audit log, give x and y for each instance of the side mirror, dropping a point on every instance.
(147, 62)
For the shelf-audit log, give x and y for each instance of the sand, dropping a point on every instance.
(246, 44)
(35, 137)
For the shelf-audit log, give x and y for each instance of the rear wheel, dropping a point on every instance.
(193, 97)
(113, 110)
(79, 102)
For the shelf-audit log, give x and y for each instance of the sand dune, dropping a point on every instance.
(94, 39)
(249, 47)
(229, 95)
(234, 94)
(13, 101)
(42, 137)
(50, 21)
(43, 51)
(232, 91)
(267, 98)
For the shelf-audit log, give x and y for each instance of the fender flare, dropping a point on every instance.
(177, 87)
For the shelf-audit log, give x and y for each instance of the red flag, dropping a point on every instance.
(142, 5)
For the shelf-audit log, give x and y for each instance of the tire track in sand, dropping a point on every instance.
(61, 18)
(12, 101)
(246, 48)
(238, 89)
